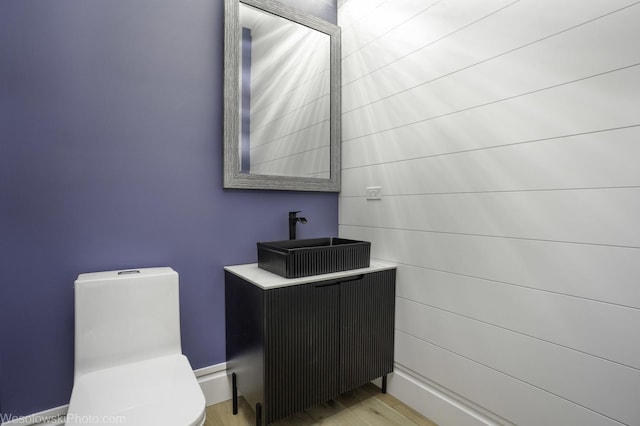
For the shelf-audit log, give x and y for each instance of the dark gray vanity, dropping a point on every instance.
(294, 343)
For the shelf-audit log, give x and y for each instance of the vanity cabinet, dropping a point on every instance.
(292, 344)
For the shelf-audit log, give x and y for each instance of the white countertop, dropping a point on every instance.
(268, 280)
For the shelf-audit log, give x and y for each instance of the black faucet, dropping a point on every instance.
(293, 220)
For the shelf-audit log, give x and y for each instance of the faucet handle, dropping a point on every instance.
(293, 220)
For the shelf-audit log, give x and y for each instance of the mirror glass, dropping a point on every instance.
(282, 98)
(284, 88)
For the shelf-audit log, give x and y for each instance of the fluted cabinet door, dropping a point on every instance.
(302, 349)
(367, 328)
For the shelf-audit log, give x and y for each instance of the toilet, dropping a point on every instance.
(129, 367)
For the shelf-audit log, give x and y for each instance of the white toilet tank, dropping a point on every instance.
(125, 316)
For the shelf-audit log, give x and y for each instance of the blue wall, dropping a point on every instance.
(110, 158)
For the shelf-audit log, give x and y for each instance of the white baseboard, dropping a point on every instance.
(213, 381)
(215, 384)
(435, 403)
(415, 391)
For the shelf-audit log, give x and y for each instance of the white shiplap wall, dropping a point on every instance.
(506, 138)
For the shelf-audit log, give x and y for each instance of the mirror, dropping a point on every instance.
(282, 98)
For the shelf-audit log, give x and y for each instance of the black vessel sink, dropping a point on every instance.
(313, 256)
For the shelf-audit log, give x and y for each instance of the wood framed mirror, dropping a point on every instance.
(282, 98)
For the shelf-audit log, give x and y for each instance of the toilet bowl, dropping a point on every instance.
(129, 367)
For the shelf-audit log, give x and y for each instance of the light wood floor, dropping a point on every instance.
(365, 406)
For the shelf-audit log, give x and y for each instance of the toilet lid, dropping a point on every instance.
(158, 392)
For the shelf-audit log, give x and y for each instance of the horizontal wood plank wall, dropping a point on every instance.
(506, 137)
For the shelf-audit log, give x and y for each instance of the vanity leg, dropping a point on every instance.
(384, 384)
(234, 381)
(258, 414)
